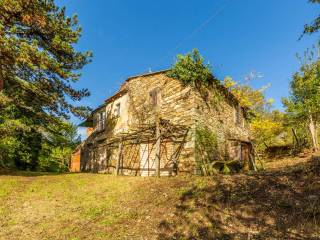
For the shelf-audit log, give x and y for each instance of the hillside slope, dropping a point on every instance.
(275, 204)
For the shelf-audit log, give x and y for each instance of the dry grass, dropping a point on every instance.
(83, 206)
(287, 162)
(278, 204)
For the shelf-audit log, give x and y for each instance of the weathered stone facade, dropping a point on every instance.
(124, 139)
(219, 111)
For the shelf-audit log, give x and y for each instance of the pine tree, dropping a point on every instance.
(38, 67)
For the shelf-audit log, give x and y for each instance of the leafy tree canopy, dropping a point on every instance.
(38, 60)
(303, 104)
(315, 25)
(253, 99)
(38, 68)
(265, 125)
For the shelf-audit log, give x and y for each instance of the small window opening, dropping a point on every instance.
(238, 111)
(117, 110)
(154, 97)
(101, 121)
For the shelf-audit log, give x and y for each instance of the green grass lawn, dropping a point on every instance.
(267, 205)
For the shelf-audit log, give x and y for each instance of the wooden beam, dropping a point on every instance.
(119, 158)
(251, 157)
(158, 148)
(253, 164)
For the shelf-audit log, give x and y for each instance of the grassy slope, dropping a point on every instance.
(275, 204)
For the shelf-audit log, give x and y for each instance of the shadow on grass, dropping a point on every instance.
(4, 172)
(270, 205)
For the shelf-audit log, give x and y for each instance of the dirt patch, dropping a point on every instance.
(269, 205)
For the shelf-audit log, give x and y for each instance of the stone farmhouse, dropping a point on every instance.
(149, 127)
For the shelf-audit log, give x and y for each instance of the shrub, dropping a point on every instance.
(191, 70)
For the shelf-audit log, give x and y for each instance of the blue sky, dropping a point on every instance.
(236, 36)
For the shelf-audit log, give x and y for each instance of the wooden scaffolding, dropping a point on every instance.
(158, 133)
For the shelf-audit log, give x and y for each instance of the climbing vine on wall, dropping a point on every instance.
(207, 151)
(140, 109)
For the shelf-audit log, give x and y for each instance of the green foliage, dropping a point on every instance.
(39, 66)
(253, 99)
(57, 148)
(315, 25)
(206, 150)
(50, 151)
(303, 104)
(225, 170)
(269, 129)
(8, 148)
(191, 69)
(40, 63)
(304, 97)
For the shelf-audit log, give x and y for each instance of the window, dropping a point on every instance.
(154, 97)
(101, 121)
(97, 122)
(117, 110)
(237, 114)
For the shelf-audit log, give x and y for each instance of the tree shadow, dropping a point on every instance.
(270, 205)
(5, 172)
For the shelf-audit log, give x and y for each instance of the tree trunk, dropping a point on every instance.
(313, 132)
(295, 136)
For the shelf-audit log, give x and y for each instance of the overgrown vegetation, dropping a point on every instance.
(191, 69)
(265, 124)
(207, 152)
(271, 130)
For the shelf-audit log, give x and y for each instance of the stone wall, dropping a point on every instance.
(222, 114)
(176, 103)
(156, 96)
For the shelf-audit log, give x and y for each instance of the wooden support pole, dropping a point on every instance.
(252, 161)
(107, 159)
(1, 79)
(252, 158)
(119, 157)
(158, 147)
(175, 162)
(121, 161)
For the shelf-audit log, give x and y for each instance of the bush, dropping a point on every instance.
(191, 70)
